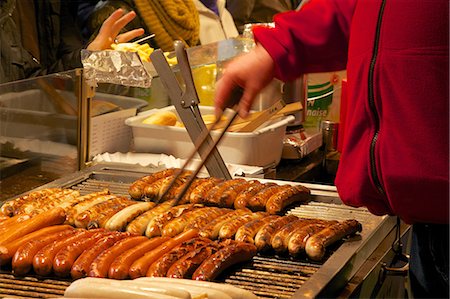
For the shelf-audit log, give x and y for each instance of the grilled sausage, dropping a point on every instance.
(241, 200)
(258, 202)
(186, 265)
(11, 207)
(101, 264)
(316, 244)
(214, 196)
(160, 267)
(207, 217)
(120, 267)
(297, 242)
(119, 220)
(87, 201)
(264, 236)
(157, 223)
(279, 201)
(139, 224)
(187, 196)
(65, 257)
(281, 237)
(52, 217)
(66, 200)
(227, 256)
(228, 196)
(8, 250)
(36, 206)
(82, 264)
(247, 232)
(136, 189)
(211, 230)
(228, 230)
(175, 187)
(22, 261)
(140, 267)
(199, 193)
(102, 211)
(11, 221)
(43, 260)
(177, 225)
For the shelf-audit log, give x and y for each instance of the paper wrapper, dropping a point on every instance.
(116, 67)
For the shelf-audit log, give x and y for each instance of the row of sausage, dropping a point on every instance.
(66, 251)
(236, 193)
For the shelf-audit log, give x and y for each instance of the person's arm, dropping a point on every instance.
(314, 39)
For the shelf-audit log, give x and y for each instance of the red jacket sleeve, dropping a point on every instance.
(313, 39)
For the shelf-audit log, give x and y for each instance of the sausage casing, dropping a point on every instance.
(279, 201)
(264, 236)
(120, 267)
(317, 243)
(227, 256)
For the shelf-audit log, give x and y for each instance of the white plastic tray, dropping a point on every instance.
(261, 147)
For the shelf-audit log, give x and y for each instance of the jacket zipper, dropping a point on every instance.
(373, 167)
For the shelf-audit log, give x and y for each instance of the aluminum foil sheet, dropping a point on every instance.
(116, 67)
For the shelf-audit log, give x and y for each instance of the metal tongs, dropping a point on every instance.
(186, 103)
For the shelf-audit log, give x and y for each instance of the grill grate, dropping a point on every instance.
(266, 276)
(270, 277)
(31, 287)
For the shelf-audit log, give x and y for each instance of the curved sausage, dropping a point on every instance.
(82, 264)
(7, 251)
(140, 267)
(279, 201)
(101, 264)
(199, 193)
(11, 207)
(297, 242)
(316, 244)
(211, 230)
(120, 267)
(258, 202)
(160, 267)
(119, 220)
(22, 261)
(136, 190)
(214, 195)
(205, 218)
(281, 237)
(228, 230)
(241, 200)
(176, 186)
(177, 225)
(247, 232)
(90, 200)
(227, 197)
(155, 225)
(43, 260)
(224, 258)
(52, 217)
(264, 236)
(186, 265)
(139, 224)
(65, 257)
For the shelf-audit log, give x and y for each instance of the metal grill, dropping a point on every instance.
(267, 276)
(31, 287)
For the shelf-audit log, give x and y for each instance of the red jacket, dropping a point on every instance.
(396, 152)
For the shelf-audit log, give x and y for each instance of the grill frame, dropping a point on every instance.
(325, 279)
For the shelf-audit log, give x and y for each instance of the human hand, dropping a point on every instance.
(111, 27)
(251, 72)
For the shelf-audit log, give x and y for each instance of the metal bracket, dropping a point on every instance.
(186, 104)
